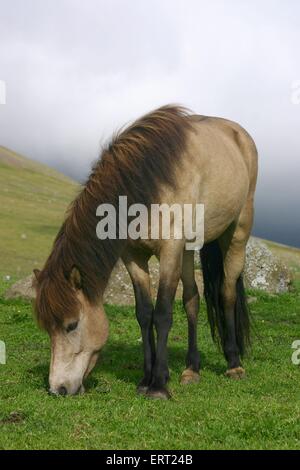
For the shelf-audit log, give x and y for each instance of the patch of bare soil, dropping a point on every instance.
(15, 417)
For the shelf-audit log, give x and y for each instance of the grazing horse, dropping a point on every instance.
(168, 156)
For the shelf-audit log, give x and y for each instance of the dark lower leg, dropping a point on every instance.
(191, 305)
(145, 318)
(231, 350)
(163, 323)
(230, 345)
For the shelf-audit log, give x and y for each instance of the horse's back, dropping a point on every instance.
(221, 170)
(226, 130)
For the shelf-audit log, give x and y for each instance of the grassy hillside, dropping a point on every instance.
(33, 199)
(289, 255)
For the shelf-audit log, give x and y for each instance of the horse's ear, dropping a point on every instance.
(75, 278)
(37, 273)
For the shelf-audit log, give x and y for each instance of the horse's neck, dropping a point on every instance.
(101, 259)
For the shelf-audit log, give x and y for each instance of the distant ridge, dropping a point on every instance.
(13, 159)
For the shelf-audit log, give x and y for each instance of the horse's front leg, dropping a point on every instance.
(137, 267)
(191, 302)
(170, 270)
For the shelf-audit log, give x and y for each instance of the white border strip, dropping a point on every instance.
(2, 92)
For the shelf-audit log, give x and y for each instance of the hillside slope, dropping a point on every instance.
(33, 199)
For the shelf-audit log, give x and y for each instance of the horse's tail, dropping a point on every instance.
(213, 277)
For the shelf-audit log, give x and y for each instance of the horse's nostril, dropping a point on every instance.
(62, 391)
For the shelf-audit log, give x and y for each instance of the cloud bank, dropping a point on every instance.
(77, 71)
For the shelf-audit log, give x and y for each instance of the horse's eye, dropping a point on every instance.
(71, 327)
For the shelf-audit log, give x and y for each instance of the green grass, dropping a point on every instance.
(261, 412)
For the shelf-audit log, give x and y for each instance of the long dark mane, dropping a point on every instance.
(134, 164)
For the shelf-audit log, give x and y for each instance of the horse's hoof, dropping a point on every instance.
(160, 394)
(189, 376)
(237, 373)
(142, 389)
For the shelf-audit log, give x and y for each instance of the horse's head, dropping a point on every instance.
(78, 329)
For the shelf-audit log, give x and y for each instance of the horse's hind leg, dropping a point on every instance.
(233, 296)
(191, 302)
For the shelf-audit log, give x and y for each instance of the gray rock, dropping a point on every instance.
(21, 289)
(264, 270)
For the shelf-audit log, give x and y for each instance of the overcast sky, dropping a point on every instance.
(77, 70)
